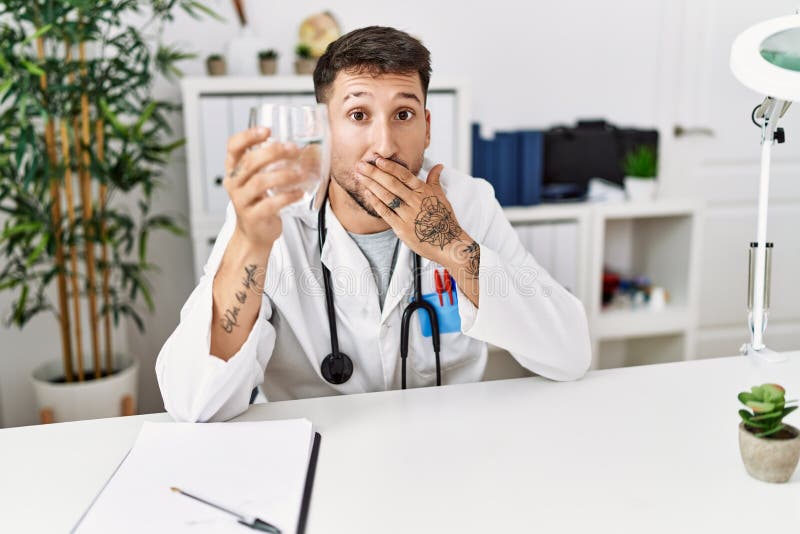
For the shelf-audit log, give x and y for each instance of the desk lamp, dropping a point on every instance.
(766, 59)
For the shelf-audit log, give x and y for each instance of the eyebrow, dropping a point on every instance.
(401, 95)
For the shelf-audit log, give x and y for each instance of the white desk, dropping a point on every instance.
(647, 449)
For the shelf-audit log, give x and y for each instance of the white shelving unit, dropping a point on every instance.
(657, 239)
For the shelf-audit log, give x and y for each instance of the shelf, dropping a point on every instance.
(547, 212)
(614, 324)
(658, 208)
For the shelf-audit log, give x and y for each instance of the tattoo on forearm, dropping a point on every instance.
(435, 223)
(249, 281)
(231, 316)
(230, 319)
(473, 251)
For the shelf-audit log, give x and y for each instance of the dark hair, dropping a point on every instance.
(373, 50)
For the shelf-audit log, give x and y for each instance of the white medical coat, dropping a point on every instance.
(521, 309)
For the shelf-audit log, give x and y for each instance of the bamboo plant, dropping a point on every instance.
(82, 141)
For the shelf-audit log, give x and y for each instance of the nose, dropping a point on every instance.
(383, 144)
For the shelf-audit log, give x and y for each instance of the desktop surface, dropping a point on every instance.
(641, 449)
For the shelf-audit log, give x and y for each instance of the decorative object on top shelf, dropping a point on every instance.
(268, 61)
(766, 59)
(640, 166)
(241, 50)
(315, 34)
(304, 64)
(770, 449)
(215, 65)
(318, 31)
(82, 140)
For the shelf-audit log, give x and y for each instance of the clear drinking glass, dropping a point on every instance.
(307, 127)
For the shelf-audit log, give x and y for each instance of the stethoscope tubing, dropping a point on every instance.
(418, 304)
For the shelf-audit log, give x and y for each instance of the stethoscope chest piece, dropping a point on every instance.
(337, 368)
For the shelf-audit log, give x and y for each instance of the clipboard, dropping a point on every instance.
(259, 468)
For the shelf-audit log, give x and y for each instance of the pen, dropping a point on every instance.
(248, 521)
(448, 285)
(438, 284)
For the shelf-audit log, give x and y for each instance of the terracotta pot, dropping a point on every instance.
(268, 66)
(216, 67)
(110, 396)
(305, 66)
(769, 459)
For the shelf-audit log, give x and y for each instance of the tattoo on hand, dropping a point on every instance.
(231, 319)
(473, 251)
(435, 223)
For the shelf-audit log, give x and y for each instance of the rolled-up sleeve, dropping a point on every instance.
(195, 385)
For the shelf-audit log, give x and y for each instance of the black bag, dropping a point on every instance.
(573, 155)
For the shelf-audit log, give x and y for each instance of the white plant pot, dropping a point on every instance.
(90, 399)
(640, 189)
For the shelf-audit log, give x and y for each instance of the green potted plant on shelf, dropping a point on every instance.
(770, 448)
(268, 61)
(215, 65)
(305, 62)
(640, 166)
(83, 144)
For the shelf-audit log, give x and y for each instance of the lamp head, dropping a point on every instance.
(766, 58)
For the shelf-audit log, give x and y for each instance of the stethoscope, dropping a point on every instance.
(337, 367)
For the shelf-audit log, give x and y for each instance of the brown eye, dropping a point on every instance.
(404, 115)
(357, 115)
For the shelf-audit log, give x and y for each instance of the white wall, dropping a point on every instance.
(528, 64)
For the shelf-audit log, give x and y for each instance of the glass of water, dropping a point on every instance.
(307, 127)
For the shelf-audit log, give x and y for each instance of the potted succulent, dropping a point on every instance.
(268, 61)
(770, 448)
(305, 63)
(83, 143)
(640, 167)
(215, 65)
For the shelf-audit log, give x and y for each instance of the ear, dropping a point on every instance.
(427, 128)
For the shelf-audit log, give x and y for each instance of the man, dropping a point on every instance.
(259, 314)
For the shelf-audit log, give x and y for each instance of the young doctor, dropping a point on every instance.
(273, 310)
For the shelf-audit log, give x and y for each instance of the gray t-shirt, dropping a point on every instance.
(380, 249)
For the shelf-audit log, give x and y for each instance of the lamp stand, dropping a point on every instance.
(771, 110)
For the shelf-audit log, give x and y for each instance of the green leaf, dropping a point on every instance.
(38, 33)
(19, 312)
(148, 111)
(6, 84)
(30, 227)
(745, 397)
(112, 118)
(760, 407)
(777, 414)
(772, 392)
(770, 431)
(33, 256)
(32, 68)
(10, 283)
(191, 6)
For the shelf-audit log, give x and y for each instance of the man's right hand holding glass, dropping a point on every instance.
(239, 281)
